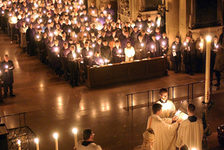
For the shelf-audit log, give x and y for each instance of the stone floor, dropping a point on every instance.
(53, 105)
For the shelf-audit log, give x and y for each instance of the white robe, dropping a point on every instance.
(190, 134)
(165, 133)
(168, 109)
(129, 54)
(91, 146)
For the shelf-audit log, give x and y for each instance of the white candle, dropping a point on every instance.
(19, 145)
(36, 141)
(55, 136)
(207, 71)
(75, 131)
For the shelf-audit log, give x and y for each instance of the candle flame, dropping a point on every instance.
(74, 130)
(36, 140)
(55, 135)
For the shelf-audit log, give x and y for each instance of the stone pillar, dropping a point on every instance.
(134, 6)
(220, 12)
(172, 19)
(192, 20)
(100, 3)
(183, 17)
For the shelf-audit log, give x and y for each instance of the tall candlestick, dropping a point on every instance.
(207, 72)
(19, 145)
(75, 131)
(55, 136)
(36, 140)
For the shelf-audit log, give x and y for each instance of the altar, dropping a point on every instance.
(100, 76)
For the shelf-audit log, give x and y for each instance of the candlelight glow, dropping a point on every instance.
(173, 47)
(208, 38)
(36, 140)
(19, 142)
(13, 20)
(74, 130)
(55, 135)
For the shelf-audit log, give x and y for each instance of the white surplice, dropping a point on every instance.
(165, 133)
(168, 109)
(190, 134)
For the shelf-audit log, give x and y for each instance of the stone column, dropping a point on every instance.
(192, 20)
(220, 11)
(172, 19)
(135, 6)
(183, 18)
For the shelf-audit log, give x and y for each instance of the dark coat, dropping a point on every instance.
(7, 76)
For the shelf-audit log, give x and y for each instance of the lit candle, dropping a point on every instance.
(75, 132)
(19, 145)
(174, 47)
(207, 72)
(55, 136)
(157, 37)
(27, 20)
(149, 30)
(36, 141)
(119, 51)
(201, 45)
(90, 54)
(140, 26)
(142, 44)
(106, 61)
(56, 49)
(74, 55)
(152, 46)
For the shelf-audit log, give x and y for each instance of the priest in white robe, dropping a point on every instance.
(168, 107)
(190, 132)
(165, 133)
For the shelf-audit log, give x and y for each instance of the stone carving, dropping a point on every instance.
(124, 7)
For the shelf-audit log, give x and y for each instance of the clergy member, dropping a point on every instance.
(88, 141)
(190, 132)
(164, 132)
(168, 107)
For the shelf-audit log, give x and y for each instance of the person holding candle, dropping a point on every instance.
(117, 53)
(88, 141)
(200, 54)
(176, 55)
(153, 48)
(190, 132)
(214, 49)
(164, 44)
(189, 54)
(219, 65)
(7, 76)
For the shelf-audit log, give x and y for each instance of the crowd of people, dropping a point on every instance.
(70, 37)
